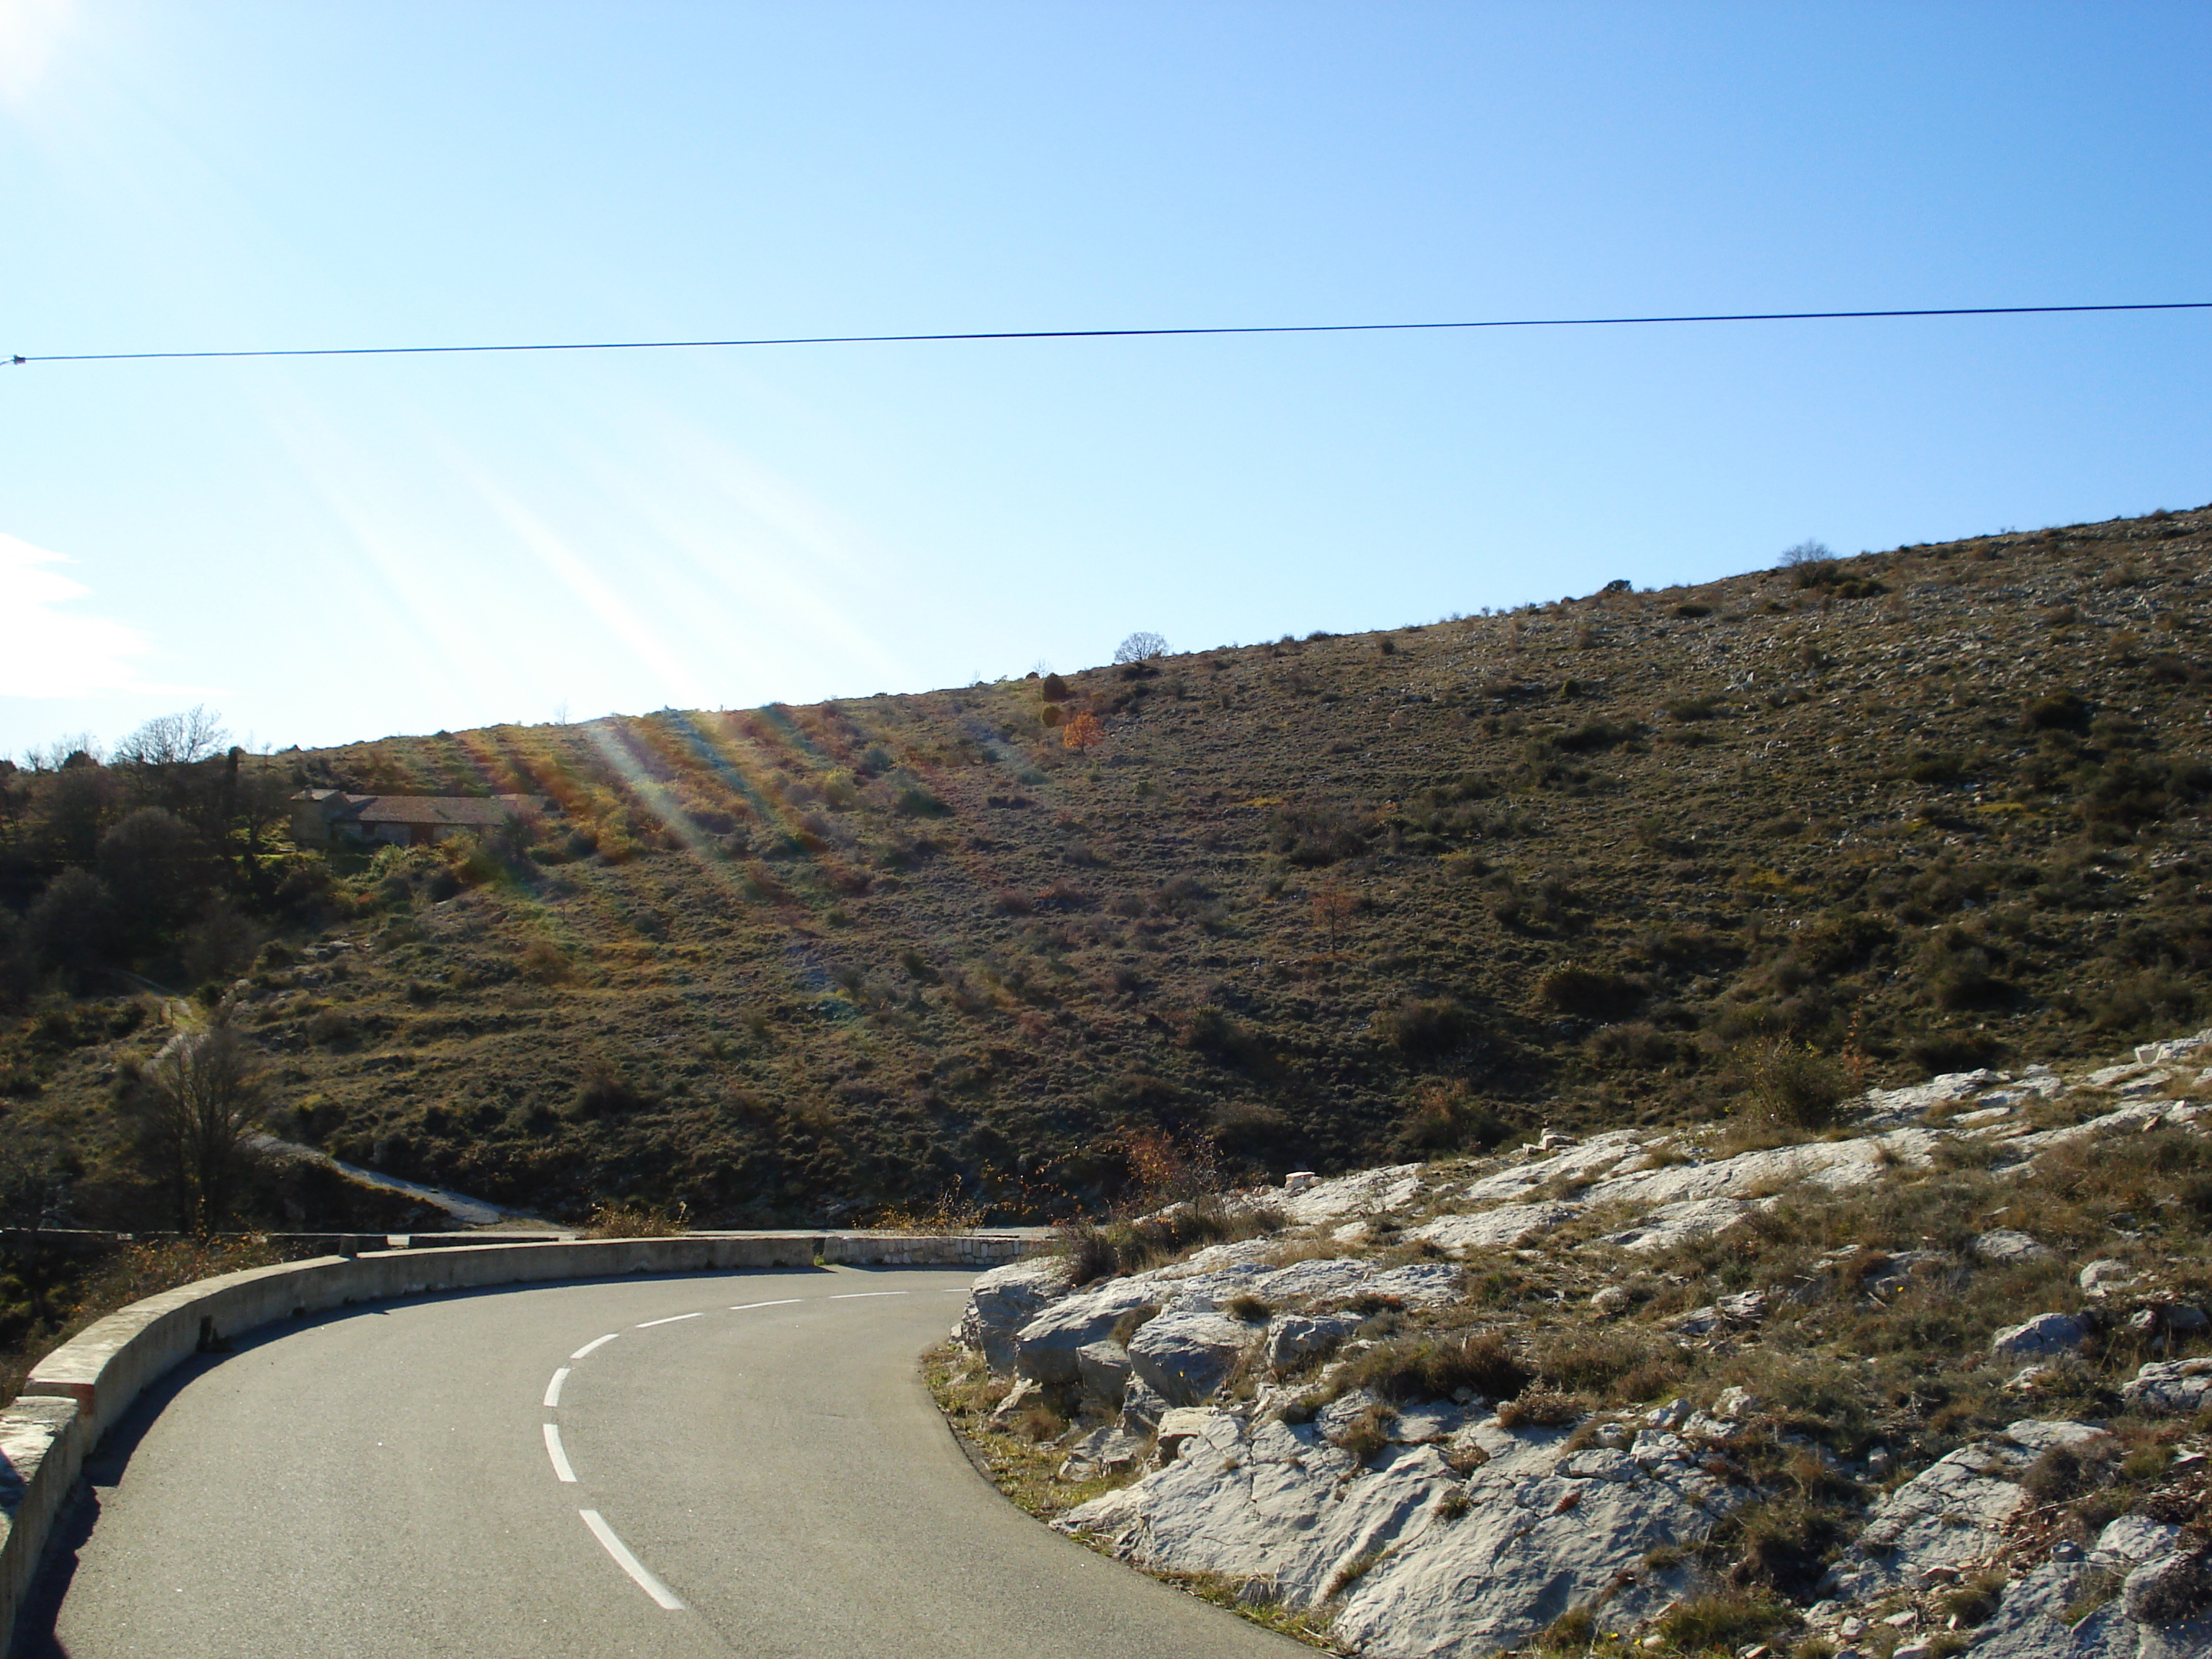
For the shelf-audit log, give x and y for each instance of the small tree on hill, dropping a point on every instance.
(1805, 552)
(1140, 648)
(1083, 732)
(204, 1092)
(1332, 909)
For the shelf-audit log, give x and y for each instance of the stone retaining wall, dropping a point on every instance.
(76, 1393)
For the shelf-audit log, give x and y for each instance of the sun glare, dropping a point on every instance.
(30, 31)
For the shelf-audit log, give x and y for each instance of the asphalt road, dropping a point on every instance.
(740, 1463)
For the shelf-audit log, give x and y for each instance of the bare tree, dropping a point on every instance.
(1805, 552)
(168, 740)
(35, 1195)
(166, 762)
(81, 749)
(204, 1092)
(1140, 647)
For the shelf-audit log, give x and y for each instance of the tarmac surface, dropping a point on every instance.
(741, 1464)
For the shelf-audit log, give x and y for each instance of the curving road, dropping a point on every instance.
(704, 1465)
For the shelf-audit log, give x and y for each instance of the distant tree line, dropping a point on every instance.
(170, 854)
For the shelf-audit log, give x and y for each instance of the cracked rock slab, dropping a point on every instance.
(1678, 1223)
(1186, 1357)
(1508, 1227)
(1519, 1543)
(1951, 1514)
(2177, 1387)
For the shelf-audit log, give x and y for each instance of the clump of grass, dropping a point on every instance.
(1039, 1422)
(1021, 1467)
(1253, 1599)
(1095, 1252)
(1407, 1368)
(1572, 1632)
(1134, 1321)
(1784, 1545)
(1621, 1361)
(1091, 1253)
(1727, 1621)
(1367, 1433)
(1543, 1408)
(1352, 1572)
(1974, 1601)
(2094, 1589)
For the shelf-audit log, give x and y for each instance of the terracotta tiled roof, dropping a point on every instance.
(476, 810)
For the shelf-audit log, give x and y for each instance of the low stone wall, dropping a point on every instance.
(977, 1250)
(76, 1393)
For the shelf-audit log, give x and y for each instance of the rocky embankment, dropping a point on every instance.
(1938, 1383)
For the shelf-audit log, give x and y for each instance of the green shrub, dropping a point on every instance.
(1940, 1052)
(1423, 1026)
(1791, 1087)
(1091, 1253)
(1590, 992)
(2059, 711)
(1443, 1115)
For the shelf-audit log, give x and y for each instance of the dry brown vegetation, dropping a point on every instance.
(1631, 858)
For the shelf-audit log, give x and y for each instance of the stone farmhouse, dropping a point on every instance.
(320, 817)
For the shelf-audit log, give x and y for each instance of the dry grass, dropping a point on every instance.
(634, 1220)
(1427, 1367)
(1116, 1248)
(1308, 903)
(1020, 1461)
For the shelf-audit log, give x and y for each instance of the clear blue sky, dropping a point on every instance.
(332, 550)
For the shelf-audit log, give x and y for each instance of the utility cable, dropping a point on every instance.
(20, 360)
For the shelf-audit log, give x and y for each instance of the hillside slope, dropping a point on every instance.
(1628, 859)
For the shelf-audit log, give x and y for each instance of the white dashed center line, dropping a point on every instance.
(562, 1471)
(614, 1545)
(629, 1562)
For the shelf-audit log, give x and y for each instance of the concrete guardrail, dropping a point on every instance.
(78, 1392)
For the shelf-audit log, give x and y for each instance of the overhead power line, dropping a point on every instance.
(21, 359)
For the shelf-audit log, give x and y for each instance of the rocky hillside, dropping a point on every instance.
(1940, 1382)
(1622, 859)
